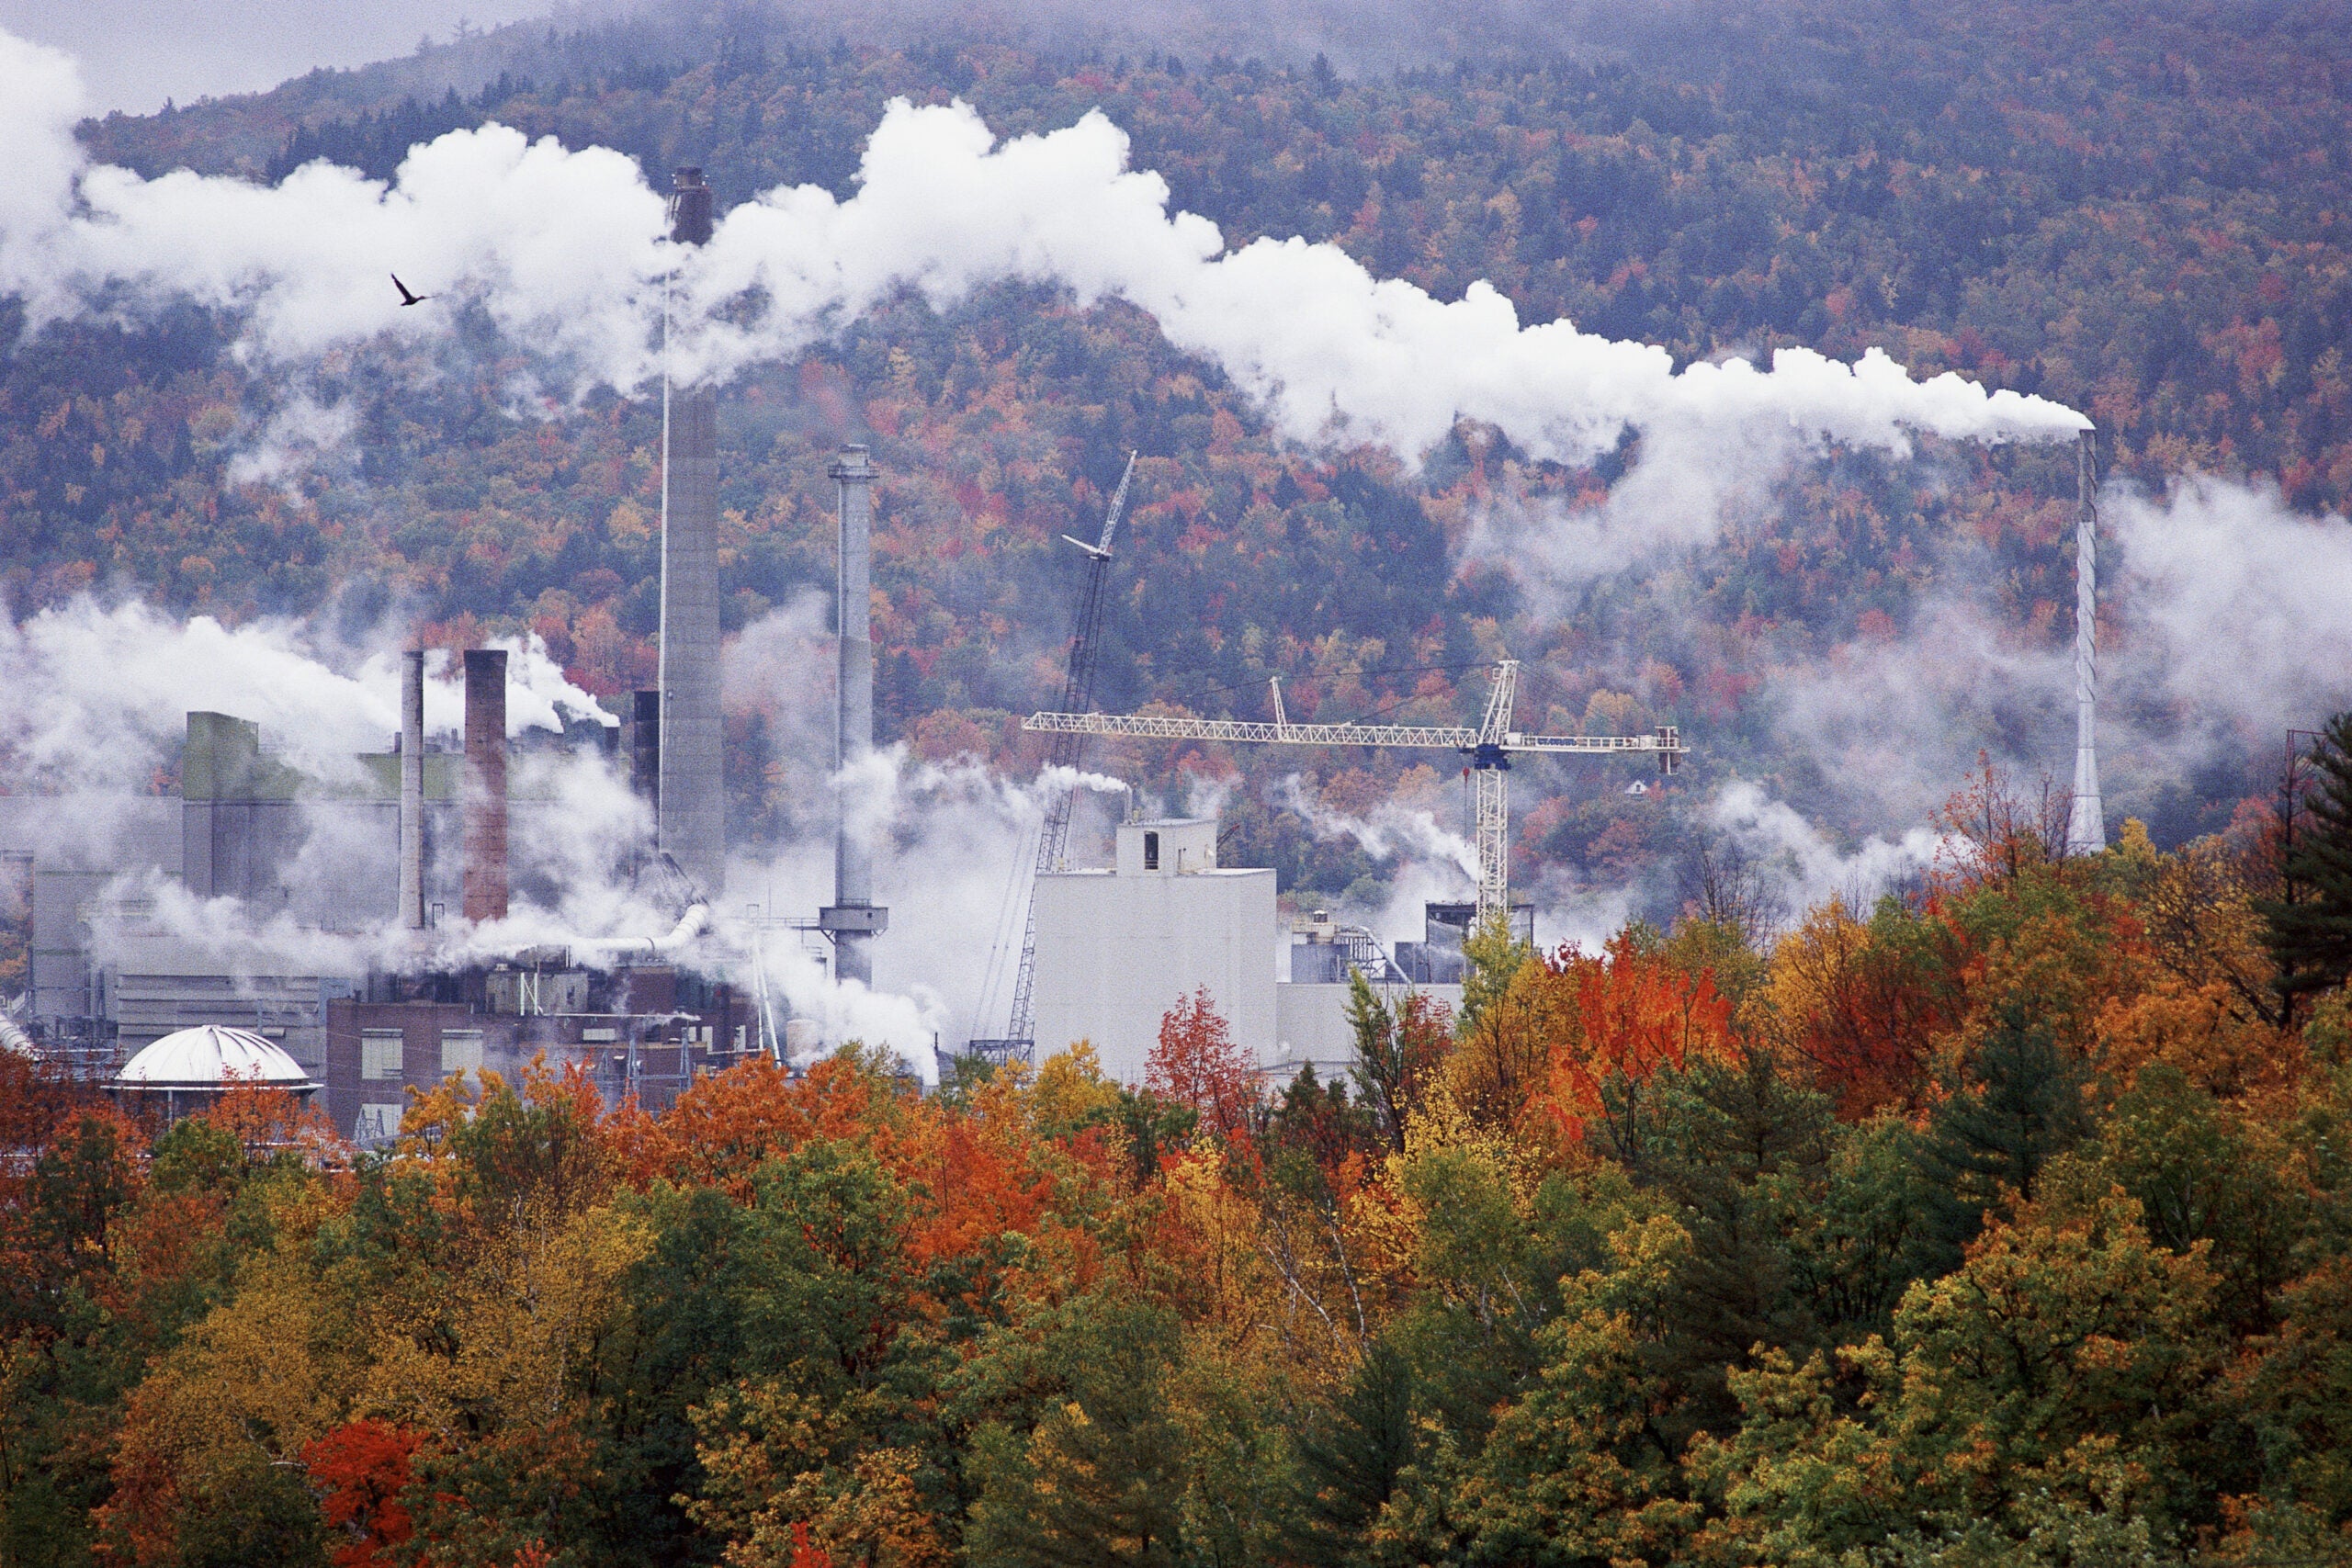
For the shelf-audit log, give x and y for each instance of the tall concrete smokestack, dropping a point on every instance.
(854, 919)
(483, 802)
(690, 805)
(2086, 825)
(412, 790)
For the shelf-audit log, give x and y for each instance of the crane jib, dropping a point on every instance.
(1489, 749)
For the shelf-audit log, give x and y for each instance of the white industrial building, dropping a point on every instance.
(1118, 947)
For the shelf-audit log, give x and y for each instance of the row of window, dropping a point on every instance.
(382, 1054)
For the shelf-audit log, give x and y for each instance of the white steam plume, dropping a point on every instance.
(1801, 864)
(99, 693)
(2230, 618)
(2234, 604)
(564, 252)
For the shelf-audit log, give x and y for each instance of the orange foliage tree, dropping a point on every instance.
(1635, 1014)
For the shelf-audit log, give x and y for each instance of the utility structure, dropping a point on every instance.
(1489, 749)
(1063, 751)
(690, 798)
(852, 920)
(2086, 823)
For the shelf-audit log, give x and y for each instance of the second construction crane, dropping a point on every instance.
(1053, 836)
(1489, 749)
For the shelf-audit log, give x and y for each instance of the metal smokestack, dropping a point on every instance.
(690, 800)
(852, 920)
(413, 791)
(2087, 824)
(484, 794)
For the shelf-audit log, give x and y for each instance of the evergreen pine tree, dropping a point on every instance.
(2310, 927)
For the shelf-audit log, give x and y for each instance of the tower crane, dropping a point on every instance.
(1066, 747)
(1489, 749)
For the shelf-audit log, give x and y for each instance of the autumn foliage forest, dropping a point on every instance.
(2011, 1223)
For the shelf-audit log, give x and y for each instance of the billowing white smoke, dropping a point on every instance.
(563, 252)
(98, 693)
(1392, 829)
(1801, 866)
(1435, 864)
(2232, 605)
(558, 247)
(950, 842)
(2228, 617)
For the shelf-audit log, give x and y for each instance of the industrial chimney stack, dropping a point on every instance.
(852, 920)
(483, 796)
(2087, 824)
(690, 801)
(413, 791)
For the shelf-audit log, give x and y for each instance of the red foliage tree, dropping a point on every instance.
(1197, 1064)
(361, 1468)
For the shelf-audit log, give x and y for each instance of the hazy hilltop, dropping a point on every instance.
(2143, 214)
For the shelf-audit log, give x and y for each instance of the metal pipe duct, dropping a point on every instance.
(412, 790)
(852, 920)
(690, 803)
(484, 804)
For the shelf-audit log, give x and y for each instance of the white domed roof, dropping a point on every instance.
(209, 1057)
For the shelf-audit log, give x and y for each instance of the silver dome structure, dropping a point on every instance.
(189, 1067)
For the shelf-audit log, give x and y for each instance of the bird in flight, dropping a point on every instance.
(408, 298)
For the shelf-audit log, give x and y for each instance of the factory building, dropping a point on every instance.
(1119, 946)
(642, 1030)
(416, 825)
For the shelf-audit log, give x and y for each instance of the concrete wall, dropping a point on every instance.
(155, 983)
(1311, 1025)
(1115, 953)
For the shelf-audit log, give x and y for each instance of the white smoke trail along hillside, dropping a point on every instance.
(563, 251)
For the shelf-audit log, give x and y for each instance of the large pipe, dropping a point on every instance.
(412, 790)
(2086, 823)
(855, 919)
(484, 808)
(690, 803)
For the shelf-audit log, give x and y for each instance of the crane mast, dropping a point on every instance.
(1064, 751)
(1489, 749)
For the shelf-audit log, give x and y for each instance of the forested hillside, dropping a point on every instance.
(2007, 1226)
(2144, 215)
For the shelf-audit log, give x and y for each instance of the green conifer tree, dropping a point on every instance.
(2309, 925)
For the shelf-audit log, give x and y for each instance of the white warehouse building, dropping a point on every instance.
(1118, 947)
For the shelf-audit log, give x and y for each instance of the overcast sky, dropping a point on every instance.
(136, 53)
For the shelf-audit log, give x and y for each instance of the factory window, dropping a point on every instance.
(460, 1051)
(380, 1054)
(1151, 851)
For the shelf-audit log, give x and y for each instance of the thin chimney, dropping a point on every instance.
(485, 785)
(852, 920)
(412, 790)
(2087, 824)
